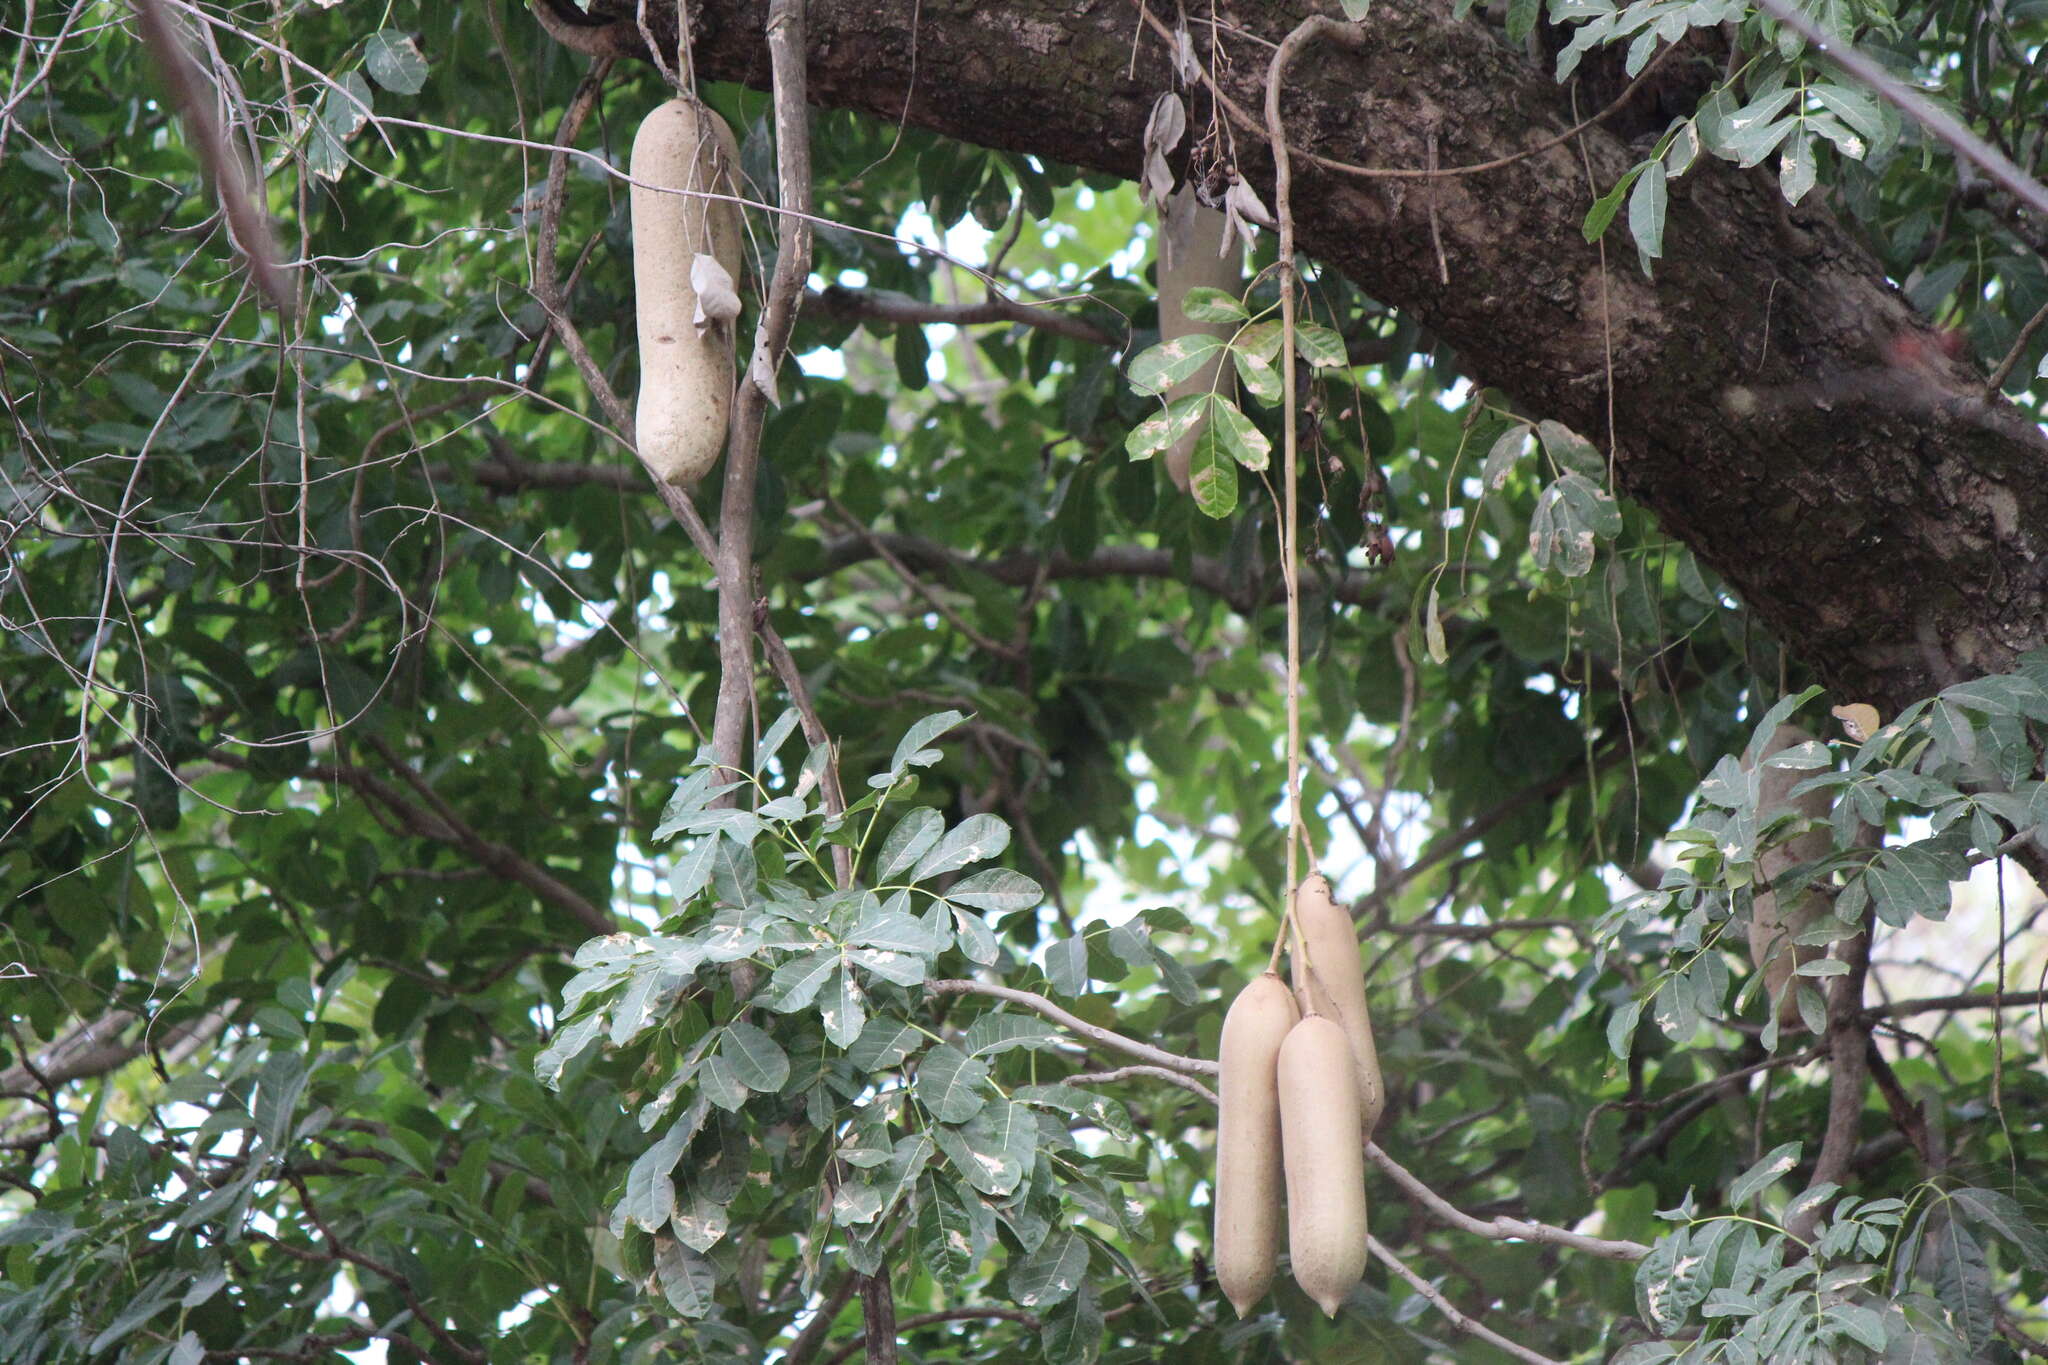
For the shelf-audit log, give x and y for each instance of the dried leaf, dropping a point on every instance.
(1859, 720)
(717, 299)
(1163, 132)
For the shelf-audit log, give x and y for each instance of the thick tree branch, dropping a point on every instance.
(438, 821)
(735, 561)
(1849, 1049)
(916, 1320)
(1921, 554)
(1972, 1000)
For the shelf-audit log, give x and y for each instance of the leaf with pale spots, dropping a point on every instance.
(1051, 1273)
(950, 1084)
(1159, 368)
(844, 1012)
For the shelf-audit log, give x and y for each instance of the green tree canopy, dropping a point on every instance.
(468, 903)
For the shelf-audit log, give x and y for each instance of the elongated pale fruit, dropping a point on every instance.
(1332, 982)
(686, 362)
(1325, 1161)
(1773, 923)
(1248, 1168)
(1190, 247)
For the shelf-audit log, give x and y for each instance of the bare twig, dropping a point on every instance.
(248, 230)
(545, 287)
(2012, 357)
(1973, 1000)
(1942, 126)
(877, 306)
(924, 590)
(1124, 1073)
(735, 562)
(1500, 1229)
(1469, 1326)
(1145, 1052)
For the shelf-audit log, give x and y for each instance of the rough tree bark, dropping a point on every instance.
(1887, 523)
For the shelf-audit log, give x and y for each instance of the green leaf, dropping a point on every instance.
(394, 62)
(1050, 1274)
(997, 890)
(999, 1031)
(1521, 21)
(1646, 210)
(910, 840)
(1212, 475)
(1245, 442)
(977, 941)
(796, 983)
(757, 1060)
(1073, 1331)
(993, 1150)
(1500, 460)
(1858, 1322)
(650, 1195)
(1910, 881)
(911, 751)
(844, 1009)
(1953, 1262)
(1166, 429)
(2000, 1214)
(1797, 168)
(1320, 346)
(1203, 304)
(975, 839)
(1607, 205)
(883, 1043)
(1776, 1164)
(688, 1281)
(1571, 514)
(1158, 368)
(1066, 965)
(945, 1233)
(950, 1084)
(1621, 1028)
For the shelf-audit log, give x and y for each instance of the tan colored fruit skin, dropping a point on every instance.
(1190, 239)
(1771, 930)
(1325, 1161)
(686, 377)
(1248, 1164)
(1336, 987)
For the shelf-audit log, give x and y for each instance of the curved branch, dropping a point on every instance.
(1501, 1229)
(1073, 1023)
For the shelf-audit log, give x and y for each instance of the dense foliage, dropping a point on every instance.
(383, 974)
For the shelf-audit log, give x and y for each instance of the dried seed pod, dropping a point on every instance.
(683, 308)
(1773, 923)
(1331, 981)
(1191, 255)
(1325, 1158)
(1248, 1163)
